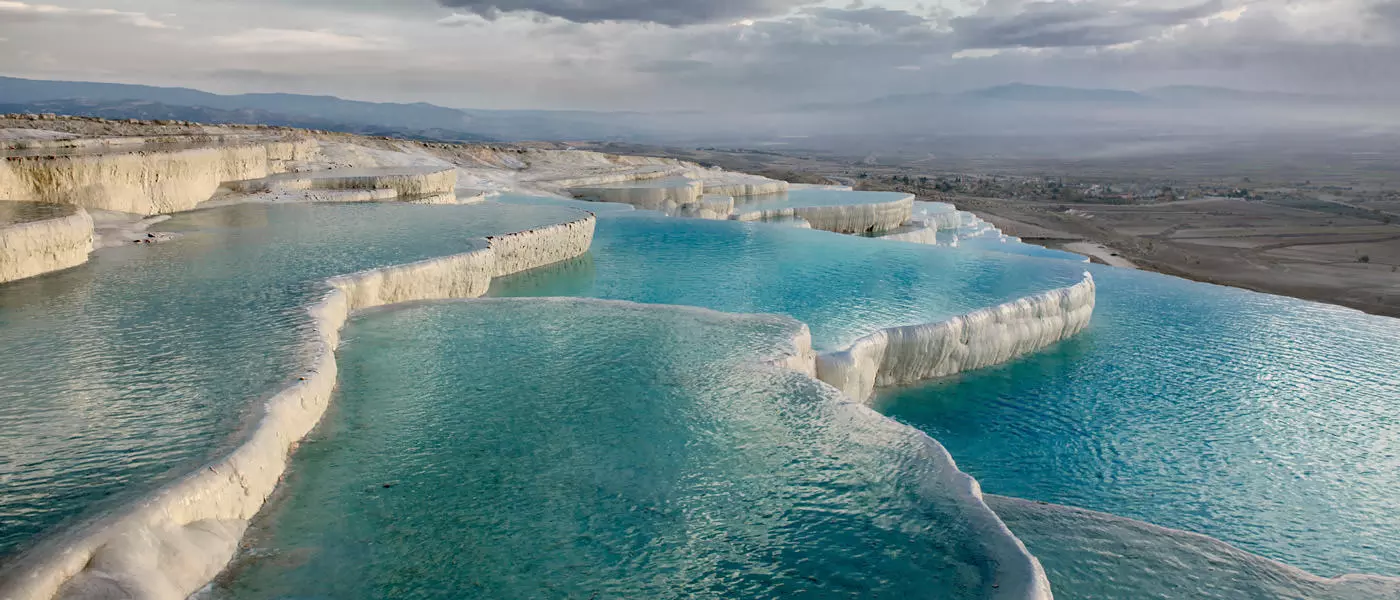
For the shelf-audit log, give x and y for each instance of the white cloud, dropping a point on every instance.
(976, 53)
(832, 51)
(266, 41)
(33, 12)
(459, 20)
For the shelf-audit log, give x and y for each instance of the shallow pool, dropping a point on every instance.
(129, 371)
(1267, 422)
(844, 287)
(13, 213)
(812, 197)
(581, 449)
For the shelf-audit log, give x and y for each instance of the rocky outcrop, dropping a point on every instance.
(987, 337)
(170, 545)
(144, 182)
(68, 143)
(37, 247)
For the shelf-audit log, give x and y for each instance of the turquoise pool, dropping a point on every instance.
(562, 447)
(133, 369)
(842, 286)
(1266, 422)
(812, 197)
(581, 449)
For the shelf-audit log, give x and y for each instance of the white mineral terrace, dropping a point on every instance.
(400, 181)
(712, 195)
(170, 545)
(669, 195)
(671, 190)
(608, 175)
(741, 184)
(150, 176)
(35, 247)
(866, 217)
(144, 182)
(980, 339)
(176, 540)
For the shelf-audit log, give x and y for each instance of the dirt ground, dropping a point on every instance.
(1293, 252)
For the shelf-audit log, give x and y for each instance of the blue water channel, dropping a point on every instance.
(573, 449)
(1267, 422)
(126, 372)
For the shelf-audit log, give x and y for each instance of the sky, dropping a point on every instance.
(717, 55)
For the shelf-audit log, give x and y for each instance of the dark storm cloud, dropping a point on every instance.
(665, 12)
(1077, 24)
(1388, 11)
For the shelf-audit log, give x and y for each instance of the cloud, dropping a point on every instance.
(678, 65)
(666, 12)
(21, 11)
(610, 54)
(459, 20)
(1387, 11)
(877, 18)
(1066, 24)
(264, 40)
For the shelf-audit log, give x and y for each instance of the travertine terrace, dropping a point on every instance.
(178, 538)
(34, 247)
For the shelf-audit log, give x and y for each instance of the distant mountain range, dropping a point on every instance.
(1013, 108)
(417, 120)
(1167, 96)
(144, 109)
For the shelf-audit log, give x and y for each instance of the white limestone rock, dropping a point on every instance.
(980, 339)
(37, 247)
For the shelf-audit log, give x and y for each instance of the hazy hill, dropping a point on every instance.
(116, 100)
(325, 108)
(1020, 92)
(142, 109)
(1012, 119)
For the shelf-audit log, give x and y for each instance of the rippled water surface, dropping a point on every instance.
(578, 449)
(128, 371)
(24, 212)
(1090, 555)
(842, 286)
(1267, 422)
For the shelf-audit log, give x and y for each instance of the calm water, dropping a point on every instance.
(991, 242)
(843, 287)
(660, 183)
(577, 449)
(1267, 422)
(24, 212)
(638, 458)
(593, 207)
(812, 197)
(1090, 555)
(126, 372)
